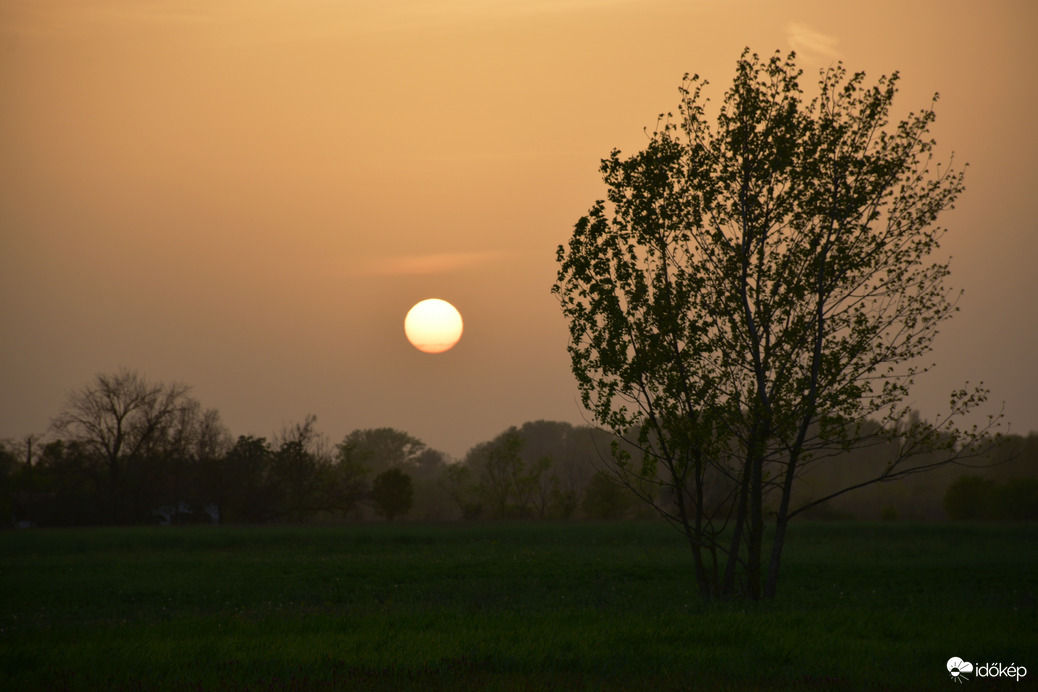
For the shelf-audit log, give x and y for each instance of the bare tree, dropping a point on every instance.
(147, 444)
(122, 417)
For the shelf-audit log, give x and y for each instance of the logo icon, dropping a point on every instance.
(958, 668)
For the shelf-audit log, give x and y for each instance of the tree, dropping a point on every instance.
(9, 467)
(568, 453)
(498, 465)
(139, 432)
(456, 480)
(753, 294)
(245, 490)
(121, 417)
(297, 469)
(385, 448)
(605, 498)
(511, 485)
(973, 497)
(380, 449)
(310, 478)
(18, 460)
(539, 469)
(392, 493)
(347, 483)
(184, 464)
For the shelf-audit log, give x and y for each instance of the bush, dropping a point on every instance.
(392, 493)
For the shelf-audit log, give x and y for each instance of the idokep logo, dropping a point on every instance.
(958, 670)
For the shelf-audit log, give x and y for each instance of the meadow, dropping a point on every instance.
(585, 606)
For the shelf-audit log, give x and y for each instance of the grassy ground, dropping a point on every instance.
(533, 606)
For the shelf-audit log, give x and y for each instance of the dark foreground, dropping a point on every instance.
(531, 606)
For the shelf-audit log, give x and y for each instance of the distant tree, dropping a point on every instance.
(385, 448)
(973, 497)
(511, 486)
(457, 480)
(517, 474)
(347, 483)
(567, 455)
(8, 483)
(392, 493)
(18, 459)
(246, 491)
(25, 451)
(184, 463)
(1017, 499)
(139, 432)
(1016, 457)
(607, 498)
(427, 463)
(752, 295)
(379, 449)
(497, 464)
(121, 417)
(301, 469)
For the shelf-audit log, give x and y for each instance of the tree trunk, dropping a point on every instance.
(756, 536)
(771, 586)
(782, 520)
(693, 533)
(740, 518)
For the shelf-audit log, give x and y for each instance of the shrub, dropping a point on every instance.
(392, 493)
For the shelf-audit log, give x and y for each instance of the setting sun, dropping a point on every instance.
(433, 326)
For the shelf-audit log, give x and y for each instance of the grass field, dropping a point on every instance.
(510, 606)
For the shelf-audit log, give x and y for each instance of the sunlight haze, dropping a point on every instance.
(248, 197)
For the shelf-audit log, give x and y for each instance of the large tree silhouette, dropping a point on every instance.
(754, 296)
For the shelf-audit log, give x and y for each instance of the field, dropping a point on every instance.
(508, 606)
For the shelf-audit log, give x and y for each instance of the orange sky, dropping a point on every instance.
(248, 196)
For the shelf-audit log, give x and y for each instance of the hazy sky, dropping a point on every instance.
(248, 196)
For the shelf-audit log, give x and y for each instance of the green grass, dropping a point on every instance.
(511, 606)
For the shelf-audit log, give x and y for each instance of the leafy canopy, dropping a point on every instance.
(753, 291)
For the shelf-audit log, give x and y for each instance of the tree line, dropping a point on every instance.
(126, 450)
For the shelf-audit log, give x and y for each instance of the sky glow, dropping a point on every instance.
(248, 197)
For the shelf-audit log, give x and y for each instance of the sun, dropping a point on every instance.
(433, 326)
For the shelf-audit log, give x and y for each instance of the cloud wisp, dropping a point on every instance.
(811, 45)
(433, 263)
